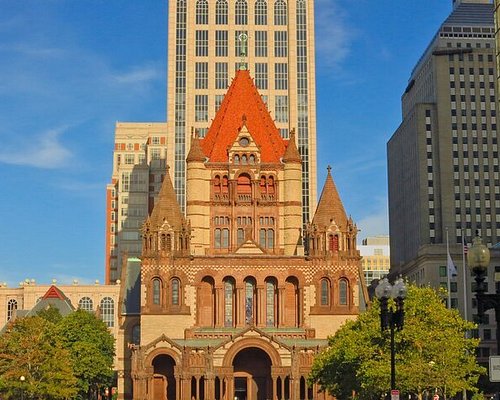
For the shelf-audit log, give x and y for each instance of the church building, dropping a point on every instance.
(236, 295)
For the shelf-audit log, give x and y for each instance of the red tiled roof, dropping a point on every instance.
(243, 104)
(54, 293)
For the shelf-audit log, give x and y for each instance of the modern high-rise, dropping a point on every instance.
(208, 40)
(375, 253)
(138, 170)
(443, 164)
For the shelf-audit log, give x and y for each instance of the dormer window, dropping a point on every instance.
(244, 142)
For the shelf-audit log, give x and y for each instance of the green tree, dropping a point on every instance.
(432, 351)
(51, 314)
(30, 347)
(91, 347)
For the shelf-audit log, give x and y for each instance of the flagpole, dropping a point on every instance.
(448, 279)
(464, 270)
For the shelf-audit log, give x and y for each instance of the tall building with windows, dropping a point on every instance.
(139, 167)
(443, 164)
(208, 40)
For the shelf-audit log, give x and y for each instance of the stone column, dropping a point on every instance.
(219, 306)
(281, 307)
(261, 306)
(240, 307)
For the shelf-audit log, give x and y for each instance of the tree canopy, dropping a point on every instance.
(432, 352)
(59, 357)
(31, 348)
(91, 349)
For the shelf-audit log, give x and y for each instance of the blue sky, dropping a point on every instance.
(69, 69)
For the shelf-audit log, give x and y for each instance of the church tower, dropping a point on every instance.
(233, 306)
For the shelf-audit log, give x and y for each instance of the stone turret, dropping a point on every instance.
(292, 195)
(198, 197)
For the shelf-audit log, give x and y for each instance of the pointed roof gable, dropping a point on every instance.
(243, 104)
(166, 207)
(292, 154)
(54, 293)
(330, 206)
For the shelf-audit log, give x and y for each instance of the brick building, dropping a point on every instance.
(236, 296)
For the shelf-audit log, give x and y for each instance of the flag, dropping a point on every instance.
(452, 270)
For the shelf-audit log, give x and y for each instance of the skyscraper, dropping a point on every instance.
(138, 170)
(209, 40)
(443, 159)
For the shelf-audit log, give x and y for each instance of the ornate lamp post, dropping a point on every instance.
(22, 379)
(391, 318)
(478, 259)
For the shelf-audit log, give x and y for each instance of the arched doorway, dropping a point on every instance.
(252, 375)
(164, 379)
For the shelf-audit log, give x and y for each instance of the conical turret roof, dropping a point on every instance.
(292, 154)
(166, 207)
(330, 206)
(195, 152)
(243, 105)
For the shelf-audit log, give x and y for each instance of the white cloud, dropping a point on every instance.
(138, 75)
(44, 151)
(333, 35)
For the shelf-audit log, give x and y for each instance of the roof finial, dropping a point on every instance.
(329, 168)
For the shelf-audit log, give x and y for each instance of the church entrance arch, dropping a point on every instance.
(163, 378)
(252, 375)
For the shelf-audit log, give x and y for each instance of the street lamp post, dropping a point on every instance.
(478, 259)
(391, 318)
(22, 379)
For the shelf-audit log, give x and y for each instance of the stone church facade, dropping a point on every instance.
(236, 296)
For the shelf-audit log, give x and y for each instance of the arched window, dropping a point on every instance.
(157, 291)
(262, 238)
(251, 159)
(270, 185)
(221, 12)
(136, 334)
(325, 292)
(270, 302)
(225, 238)
(343, 286)
(333, 242)
(262, 184)
(241, 12)
(270, 239)
(244, 184)
(250, 300)
(217, 238)
(108, 311)
(217, 184)
(280, 17)
(236, 159)
(11, 308)
(175, 285)
(225, 184)
(241, 236)
(261, 12)
(228, 301)
(86, 304)
(244, 159)
(169, 242)
(202, 12)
